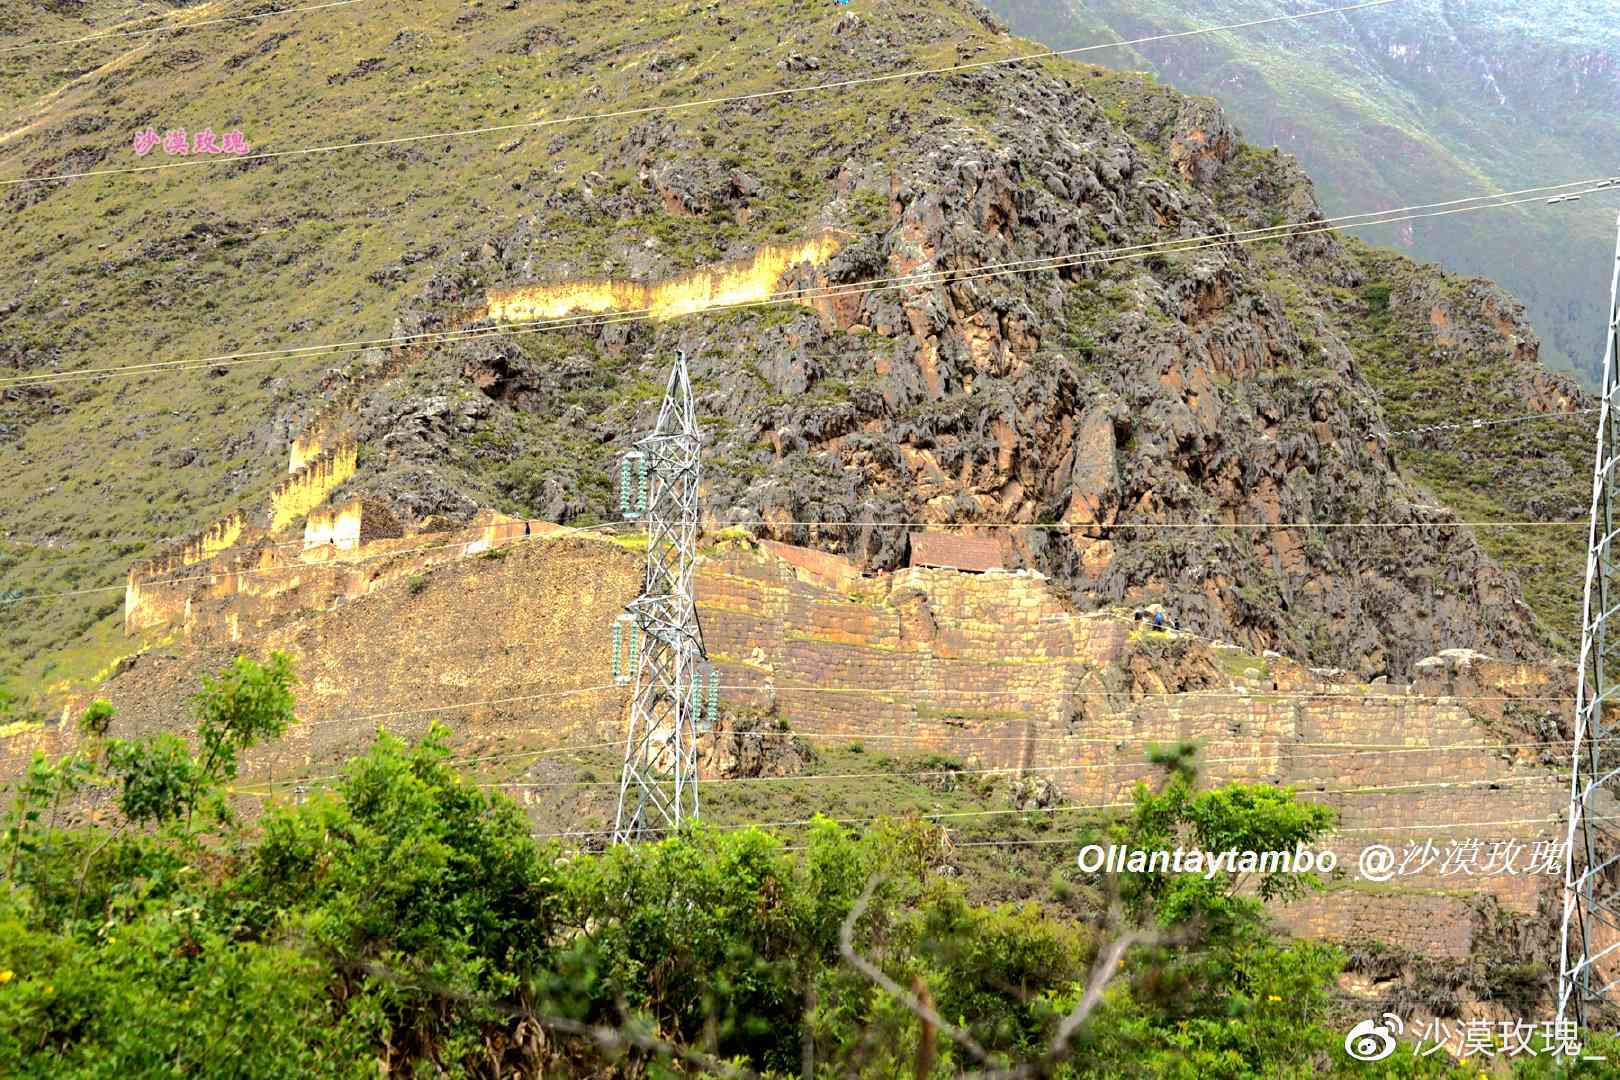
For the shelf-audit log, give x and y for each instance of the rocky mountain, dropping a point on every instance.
(1144, 424)
(1407, 104)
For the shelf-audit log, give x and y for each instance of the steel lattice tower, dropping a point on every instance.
(1589, 969)
(658, 788)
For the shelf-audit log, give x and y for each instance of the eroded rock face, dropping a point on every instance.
(1481, 318)
(1158, 429)
(748, 745)
(696, 186)
(1530, 705)
(1202, 142)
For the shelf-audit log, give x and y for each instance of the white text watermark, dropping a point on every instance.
(1462, 858)
(1375, 1040)
(1119, 858)
(1375, 862)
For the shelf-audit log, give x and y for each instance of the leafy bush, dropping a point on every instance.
(406, 919)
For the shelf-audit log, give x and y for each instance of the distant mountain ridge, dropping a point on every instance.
(1415, 102)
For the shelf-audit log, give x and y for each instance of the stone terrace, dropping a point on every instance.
(991, 668)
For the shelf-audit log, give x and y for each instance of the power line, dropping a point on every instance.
(1022, 771)
(170, 547)
(1362, 696)
(802, 822)
(1324, 697)
(575, 692)
(1364, 790)
(173, 29)
(514, 755)
(733, 99)
(349, 564)
(1032, 842)
(1327, 697)
(812, 736)
(1178, 245)
(1229, 526)
(64, 545)
(1472, 424)
(1077, 808)
(1172, 525)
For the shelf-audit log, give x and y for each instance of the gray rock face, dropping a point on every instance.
(1157, 428)
(1386, 107)
(1202, 142)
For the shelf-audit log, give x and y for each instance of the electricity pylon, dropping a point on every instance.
(1589, 968)
(658, 789)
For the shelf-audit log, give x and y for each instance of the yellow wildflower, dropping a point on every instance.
(6, 976)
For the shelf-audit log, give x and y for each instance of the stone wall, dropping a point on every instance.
(241, 593)
(16, 751)
(307, 488)
(360, 521)
(1428, 924)
(524, 627)
(991, 668)
(337, 526)
(307, 447)
(728, 283)
(149, 599)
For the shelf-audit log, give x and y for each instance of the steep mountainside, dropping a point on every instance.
(1255, 385)
(1407, 104)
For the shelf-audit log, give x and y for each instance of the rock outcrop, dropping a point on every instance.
(1162, 428)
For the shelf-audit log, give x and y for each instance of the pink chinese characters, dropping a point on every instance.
(176, 143)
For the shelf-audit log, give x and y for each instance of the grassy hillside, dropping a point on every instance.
(196, 262)
(1412, 103)
(364, 243)
(1539, 471)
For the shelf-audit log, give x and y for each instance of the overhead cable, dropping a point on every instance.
(702, 103)
(916, 279)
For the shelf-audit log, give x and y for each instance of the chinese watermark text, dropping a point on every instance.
(1462, 858)
(1375, 1040)
(176, 142)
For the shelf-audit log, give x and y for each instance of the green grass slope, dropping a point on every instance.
(222, 258)
(1412, 103)
(342, 246)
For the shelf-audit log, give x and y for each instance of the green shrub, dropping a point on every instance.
(406, 920)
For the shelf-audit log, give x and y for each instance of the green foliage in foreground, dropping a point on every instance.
(407, 921)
